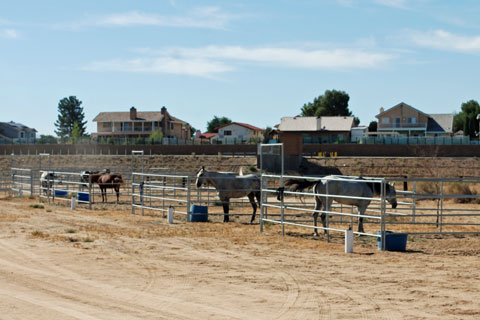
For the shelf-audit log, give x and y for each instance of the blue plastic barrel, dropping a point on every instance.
(83, 196)
(61, 193)
(393, 241)
(198, 214)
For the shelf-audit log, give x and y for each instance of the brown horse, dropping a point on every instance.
(108, 180)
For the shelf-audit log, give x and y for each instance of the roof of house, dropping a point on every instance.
(141, 116)
(248, 126)
(207, 135)
(440, 123)
(398, 105)
(17, 125)
(316, 123)
(125, 116)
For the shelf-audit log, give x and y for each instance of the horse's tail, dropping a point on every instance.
(299, 184)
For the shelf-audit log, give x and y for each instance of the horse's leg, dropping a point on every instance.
(226, 205)
(327, 204)
(117, 191)
(361, 211)
(251, 197)
(318, 206)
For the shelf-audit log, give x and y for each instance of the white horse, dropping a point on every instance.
(47, 180)
(338, 186)
(229, 186)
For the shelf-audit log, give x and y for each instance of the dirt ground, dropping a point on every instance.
(56, 263)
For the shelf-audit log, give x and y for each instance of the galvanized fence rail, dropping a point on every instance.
(293, 213)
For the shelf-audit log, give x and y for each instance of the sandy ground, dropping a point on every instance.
(56, 263)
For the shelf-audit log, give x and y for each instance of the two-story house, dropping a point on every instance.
(405, 119)
(135, 124)
(18, 132)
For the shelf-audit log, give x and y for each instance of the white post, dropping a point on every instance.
(170, 214)
(74, 203)
(349, 241)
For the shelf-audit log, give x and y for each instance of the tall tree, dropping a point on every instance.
(466, 119)
(212, 126)
(69, 112)
(332, 103)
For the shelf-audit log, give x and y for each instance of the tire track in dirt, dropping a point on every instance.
(64, 284)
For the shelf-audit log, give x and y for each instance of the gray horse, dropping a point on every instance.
(342, 186)
(229, 186)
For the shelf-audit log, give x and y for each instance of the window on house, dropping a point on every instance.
(385, 120)
(412, 120)
(397, 122)
(227, 132)
(107, 125)
(22, 134)
(171, 125)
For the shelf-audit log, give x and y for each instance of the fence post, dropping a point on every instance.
(441, 206)
(188, 197)
(414, 201)
(261, 202)
(90, 195)
(31, 183)
(382, 213)
(133, 192)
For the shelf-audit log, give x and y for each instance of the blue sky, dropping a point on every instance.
(251, 61)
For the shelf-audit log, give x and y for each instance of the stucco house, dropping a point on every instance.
(134, 124)
(407, 120)
(18, 132)
(317, 129)
(238, 132)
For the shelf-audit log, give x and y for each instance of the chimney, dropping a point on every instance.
(133, 113)
(382, 110)
(164, 110)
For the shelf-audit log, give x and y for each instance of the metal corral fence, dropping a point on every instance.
(425, 206)
(157, 192)
(438, 206)
(295, 208)
(22, 181)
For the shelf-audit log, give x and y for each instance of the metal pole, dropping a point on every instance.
(261, 202)
(188, 198)
(90, 192)
(441, 206)
(414, 201)
(382, 212)
(282, 185)
(133, 193)
(327, 208)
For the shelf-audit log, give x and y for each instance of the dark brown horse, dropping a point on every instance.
(108, 180)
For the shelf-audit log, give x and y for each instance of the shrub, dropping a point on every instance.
(459, 188)
(37, 206)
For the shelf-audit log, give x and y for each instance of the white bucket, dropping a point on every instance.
(170, 214)
(74, 203)
(348, 241)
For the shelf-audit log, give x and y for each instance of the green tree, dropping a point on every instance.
(156, 136)
(331, 103)
(212, 126)
(69, 113)
(466, 119)
(372, 127)
(47, 139)
(76, 133)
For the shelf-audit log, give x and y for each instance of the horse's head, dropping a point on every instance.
(200, 177)
(391, 195)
